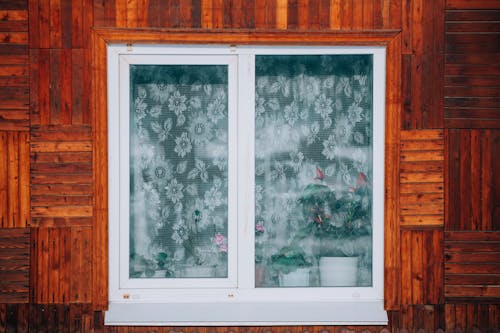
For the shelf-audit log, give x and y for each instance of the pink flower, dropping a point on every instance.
(219, 239)
(223, 248)
(259, 227)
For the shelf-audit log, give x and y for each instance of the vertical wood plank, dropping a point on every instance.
(121, 13)
(13, 180)
(24, 180)
(66, 85)
(281, 14)
(131, 13)
(77, 58)
(465, 179)
(4, 167)
(77, 17)
(476, 181)
(357, 15)
(99, 134)
(44, 24)
(54, 267)
(417, 267)
(65, 264)
(495, 186)
(324, 14)
(346, 18)
(260, 14)
(292, 14)
(55, 86)
(44, 86)
(335, 14)
(367, 14)
(185, 9)
(34, 24)
(217, 14)
(55, 24)
(486, 180)
(76, 266)
(302, 12)
(34, 86)
(206, 14)
(67, 23)
(406, 267)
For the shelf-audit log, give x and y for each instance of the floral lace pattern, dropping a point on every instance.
(313, 146)
(178, 170)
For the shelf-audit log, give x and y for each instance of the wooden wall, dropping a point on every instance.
(447, 255)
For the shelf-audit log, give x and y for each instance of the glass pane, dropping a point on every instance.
(313, 170)
(178, 171)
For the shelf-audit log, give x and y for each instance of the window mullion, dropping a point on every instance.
(246, 171)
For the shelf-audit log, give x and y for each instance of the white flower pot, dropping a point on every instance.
(338, 271)
(199, 272)
(297, 278)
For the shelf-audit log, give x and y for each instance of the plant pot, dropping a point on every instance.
(338, 271)
(199, 271)
(160, 273)
(297, 278)
(259, 275)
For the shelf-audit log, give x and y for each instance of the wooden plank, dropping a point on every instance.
(55, 86)
(421, 198)
(4, 172)
(61, 211)
(417, 177)
(474, 43)
(467, 4)
(472, 15)
(422, 135)
(422, 145)
(61, 222)
(14, 265)
(44, 86)
(24, 180)
(335, 14)
(472, 279)
(471, 247)
(62, 189)
(432, 155)
(13, 180)
(66, 93)
(484, 236)
(425, 166)
(417, 268)
(472, 291)
(473, 257)
(406, 267)
(54, 157)
(421, 221)
(54, 266)
(66, 146)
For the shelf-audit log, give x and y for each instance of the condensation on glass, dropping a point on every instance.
(178, 171)
(313, 170)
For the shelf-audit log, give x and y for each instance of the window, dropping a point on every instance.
(246, 184)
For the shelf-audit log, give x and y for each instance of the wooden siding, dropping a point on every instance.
(14, 265)
(472, 265)
(442, 254)
(472, 65)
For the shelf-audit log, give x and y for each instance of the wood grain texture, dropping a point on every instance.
(61, 174)
(14, 179)
(472, 265)
(423, 63)
(422, 179)
(14, 265)
(62, 264)
(471, 180)
(472, 65)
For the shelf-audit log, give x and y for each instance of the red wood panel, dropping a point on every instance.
(468, 4)
(14, 265)
(61, 175)
(14, 179)
(474, 198)
(472, 268)
(62, 265)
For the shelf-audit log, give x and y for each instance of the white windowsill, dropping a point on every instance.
(247, 313)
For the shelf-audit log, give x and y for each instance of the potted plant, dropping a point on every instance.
(292, 266)
(338, 221)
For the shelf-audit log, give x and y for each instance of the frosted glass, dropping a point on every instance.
(178, 171)
(313, 170)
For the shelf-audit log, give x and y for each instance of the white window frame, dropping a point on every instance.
(232, 301)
